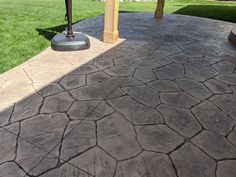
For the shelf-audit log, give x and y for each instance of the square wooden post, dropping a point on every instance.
(111, 34)
(159, 9)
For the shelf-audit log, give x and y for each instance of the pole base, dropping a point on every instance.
(61, 42)
(232, 36)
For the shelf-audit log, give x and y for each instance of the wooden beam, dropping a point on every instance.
(111, 34)
(159, 9)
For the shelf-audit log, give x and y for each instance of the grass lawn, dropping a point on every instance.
(22, 21)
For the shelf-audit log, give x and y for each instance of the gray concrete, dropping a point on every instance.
(162, 103)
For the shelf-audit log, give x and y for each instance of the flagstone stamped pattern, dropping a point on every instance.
(160, 103)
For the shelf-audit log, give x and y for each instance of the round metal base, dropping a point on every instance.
(232, 36)
(61, 42)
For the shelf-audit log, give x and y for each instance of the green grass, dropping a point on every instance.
(23, 22)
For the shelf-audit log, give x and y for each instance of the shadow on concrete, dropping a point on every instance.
(28, 107)
(32, 105)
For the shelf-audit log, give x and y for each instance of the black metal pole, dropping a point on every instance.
(66, 15)
(69, 18)
(69, 40)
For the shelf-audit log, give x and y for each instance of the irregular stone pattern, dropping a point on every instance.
(27, 107)
(80, 137)
(97, 77)
(5, 114)
(226, 168)
(199, 72)
(215, 145)
(227, 103)
(225, 66)
(232, 136)
(95, 162)
(143, 94)
(144, 74)
(81, 109)
(57, 103)
(170, 72)
(180, 120)
(135, 112)
(233, 88)
(160, 103)
(156, 60)
(10, 169)
(217, 87)
(85, 69)
(117, 137)
(97, 91)
(8, 143)
(212, 118)
(66, 170)
(29, 157)
(180, 99)
(158, 138)
(192, 162)
(89, 110)
(194, 89)
(119, 71)
(73, 81)
(46, 128)
(50, 89)
(229, 79)
(146, 164)
(164, 86)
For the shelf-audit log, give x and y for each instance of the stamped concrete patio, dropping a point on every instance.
(160, 103)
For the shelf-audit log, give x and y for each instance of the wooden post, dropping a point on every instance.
(159, 9)
(111, 34)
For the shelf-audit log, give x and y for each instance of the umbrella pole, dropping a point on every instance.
(69, 18)
(70, 40)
